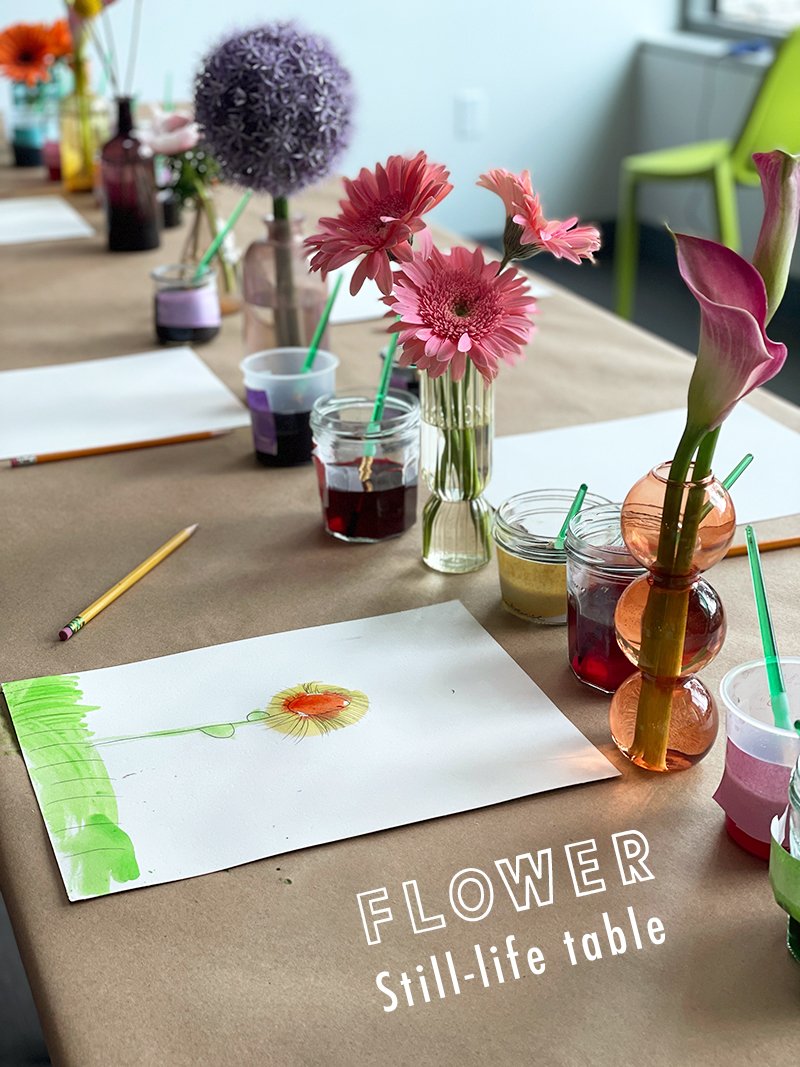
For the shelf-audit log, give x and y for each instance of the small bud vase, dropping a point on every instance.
(670, 622)
(456, 461)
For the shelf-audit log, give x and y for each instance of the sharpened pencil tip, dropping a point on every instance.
(191, 529)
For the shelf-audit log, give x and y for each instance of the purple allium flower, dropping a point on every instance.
(274, 104)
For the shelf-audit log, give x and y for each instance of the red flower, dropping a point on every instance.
(25, 54)
(456, 306)
(382, 212)
(527, 230)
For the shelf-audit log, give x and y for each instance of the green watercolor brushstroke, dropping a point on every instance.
(72, 785)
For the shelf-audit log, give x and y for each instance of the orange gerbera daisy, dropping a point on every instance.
(60, 39)
(25, 54)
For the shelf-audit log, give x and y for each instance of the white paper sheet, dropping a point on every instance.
(611, 456)
(452, 724)
(366, 304)
(93, 404)
(27, 219)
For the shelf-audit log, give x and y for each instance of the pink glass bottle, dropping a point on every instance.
(283, 300)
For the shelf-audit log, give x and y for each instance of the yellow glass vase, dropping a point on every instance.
(84, 128)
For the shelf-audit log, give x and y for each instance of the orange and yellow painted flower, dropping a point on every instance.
(25, 52)
(314, 708)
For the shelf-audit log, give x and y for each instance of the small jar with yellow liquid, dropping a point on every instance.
(533, 572)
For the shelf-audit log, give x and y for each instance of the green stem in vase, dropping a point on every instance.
(287, 314)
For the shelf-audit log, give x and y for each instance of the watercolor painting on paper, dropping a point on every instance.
(180, 766)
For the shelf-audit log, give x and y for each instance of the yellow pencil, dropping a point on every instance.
(125, 583)
(765, 546)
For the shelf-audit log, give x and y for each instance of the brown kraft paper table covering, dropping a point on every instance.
(268, 963)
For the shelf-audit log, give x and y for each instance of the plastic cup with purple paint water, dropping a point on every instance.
(280, 398)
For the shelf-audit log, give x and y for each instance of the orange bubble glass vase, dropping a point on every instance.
(670, 622)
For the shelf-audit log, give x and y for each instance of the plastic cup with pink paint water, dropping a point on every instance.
(759, 756)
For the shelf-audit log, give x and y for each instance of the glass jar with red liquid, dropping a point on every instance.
(599, 570)
(367, 470)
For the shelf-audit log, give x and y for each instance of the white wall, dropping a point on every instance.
(556, 75)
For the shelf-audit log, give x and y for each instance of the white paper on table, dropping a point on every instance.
(366, 304)
(453, 724)
(368, 301)
(121, 400)
(611, 456)
(24, 220)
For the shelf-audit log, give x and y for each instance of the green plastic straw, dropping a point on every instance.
(383, 386)
(213, 248)
(727, 482)
(777, 686)
(320, 330)
(575, 507)
(374, 423)
(740, 468)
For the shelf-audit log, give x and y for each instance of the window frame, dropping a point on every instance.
(699, 17)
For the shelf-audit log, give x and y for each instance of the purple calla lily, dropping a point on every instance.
(735, 355)
(780, 184)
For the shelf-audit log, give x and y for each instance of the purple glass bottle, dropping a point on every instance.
(129, 184)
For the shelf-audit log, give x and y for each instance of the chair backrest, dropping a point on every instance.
(774, 119)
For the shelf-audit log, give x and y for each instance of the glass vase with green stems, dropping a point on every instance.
(677, 522)
(456, 458)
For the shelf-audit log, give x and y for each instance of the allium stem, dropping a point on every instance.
(287, 313)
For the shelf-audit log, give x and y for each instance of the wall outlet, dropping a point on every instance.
(470, 114)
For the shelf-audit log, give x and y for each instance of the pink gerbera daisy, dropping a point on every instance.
(382, 212)
(527, 230)
(457, 306)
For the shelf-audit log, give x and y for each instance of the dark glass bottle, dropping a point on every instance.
(129, 184)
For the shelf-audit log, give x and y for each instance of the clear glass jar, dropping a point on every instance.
(186, 308)
(283, 300)
(28, 123)
(794, 811)
(367, 471)
(533, 572)
(793, 934)
(599, 569)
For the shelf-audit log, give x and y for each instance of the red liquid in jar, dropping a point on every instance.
(354, 510)
(594, 655)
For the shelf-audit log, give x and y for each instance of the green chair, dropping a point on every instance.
(773, 122)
